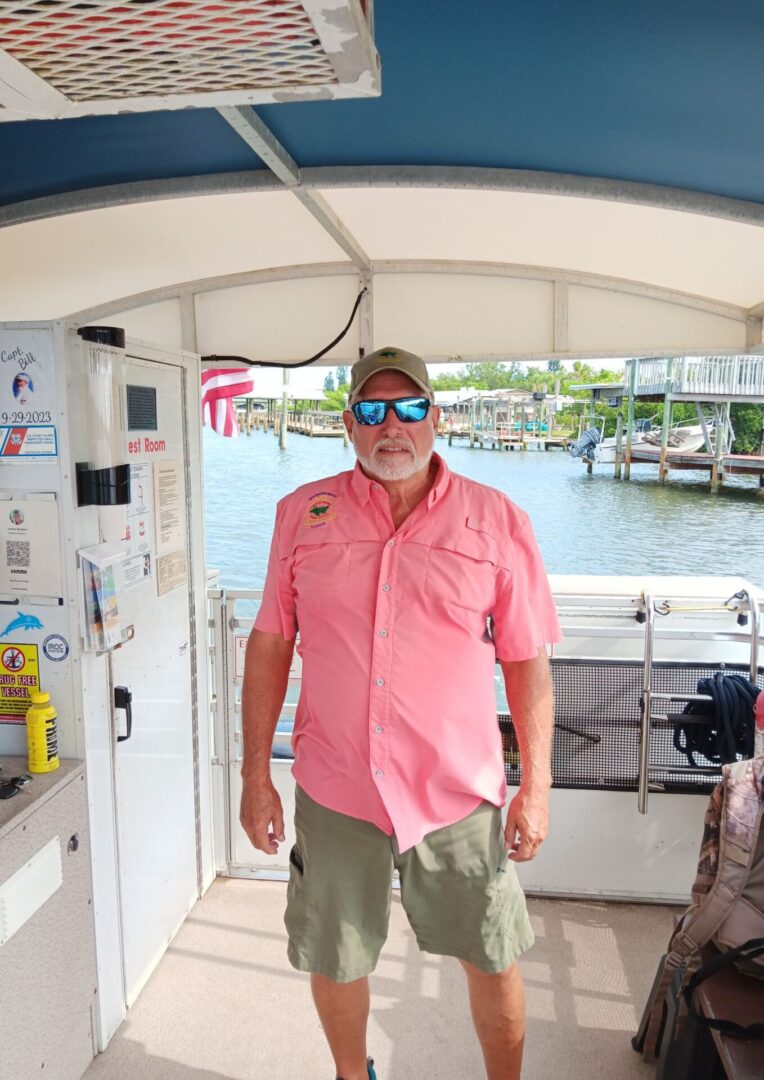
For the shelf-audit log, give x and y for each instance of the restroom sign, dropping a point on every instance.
(19, 677)
(240, 651)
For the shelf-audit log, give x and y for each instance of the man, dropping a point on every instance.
(407, 583)
(22, 388)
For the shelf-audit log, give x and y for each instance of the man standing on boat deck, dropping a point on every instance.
(407, 582)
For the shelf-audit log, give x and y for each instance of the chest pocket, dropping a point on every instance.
(462, 565)
(320, 573)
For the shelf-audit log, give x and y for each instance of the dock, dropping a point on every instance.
(713, 384)
(317, 425)
(509, 419)
(730, 464)
(501, 440)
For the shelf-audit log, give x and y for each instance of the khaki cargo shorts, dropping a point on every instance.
(458, 888)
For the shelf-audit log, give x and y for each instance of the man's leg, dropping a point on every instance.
(497, 1003)
(343, 1009)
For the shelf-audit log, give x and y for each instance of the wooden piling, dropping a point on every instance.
(618, 445)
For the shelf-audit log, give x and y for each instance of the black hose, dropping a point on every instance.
(302, 363)
(724, 727)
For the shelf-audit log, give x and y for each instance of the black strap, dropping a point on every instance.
(749, 951)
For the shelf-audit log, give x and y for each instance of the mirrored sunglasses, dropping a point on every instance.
(409, 410)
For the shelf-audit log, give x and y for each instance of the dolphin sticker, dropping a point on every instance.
(22, 622)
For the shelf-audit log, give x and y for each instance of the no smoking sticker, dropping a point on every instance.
(19, 677)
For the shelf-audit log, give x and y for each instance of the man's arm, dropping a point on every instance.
(266, 672)
(529, 694)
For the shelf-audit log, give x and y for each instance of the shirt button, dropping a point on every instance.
(385, 587)
(383, 633)
(380, 682)
(379, 729)
(391, 543)
(379, 773)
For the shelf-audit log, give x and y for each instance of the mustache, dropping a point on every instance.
(392, 444)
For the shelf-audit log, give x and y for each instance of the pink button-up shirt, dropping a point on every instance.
(396, 722)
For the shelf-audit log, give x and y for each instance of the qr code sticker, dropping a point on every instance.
(17, 553)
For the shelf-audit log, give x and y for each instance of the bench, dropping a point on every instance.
(730, 995)
(700, 1053)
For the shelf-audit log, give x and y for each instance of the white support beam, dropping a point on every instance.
(754, 332)
(560, 331)
(188, 322)
(390, 176)
(259, 138)
(366, 315)
(26, 94)
(757, 311)
(419, 266)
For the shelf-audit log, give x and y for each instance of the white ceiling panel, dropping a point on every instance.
(705, 256)
(61, 265)
(285, 320)
(454, 315)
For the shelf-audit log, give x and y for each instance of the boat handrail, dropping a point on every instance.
(649, 616)
(745, 607)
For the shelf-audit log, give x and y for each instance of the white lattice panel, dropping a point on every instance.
(104, 56)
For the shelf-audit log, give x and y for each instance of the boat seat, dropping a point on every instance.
(700, 1053)
(729, 994)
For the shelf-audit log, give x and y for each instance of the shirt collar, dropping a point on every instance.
(362, 485)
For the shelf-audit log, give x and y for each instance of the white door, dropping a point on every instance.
(154, 767)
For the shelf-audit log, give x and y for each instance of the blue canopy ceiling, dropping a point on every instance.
(663, 93)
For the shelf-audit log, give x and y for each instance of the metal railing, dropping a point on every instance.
(626, 618)
(726, 376)
(745, 607)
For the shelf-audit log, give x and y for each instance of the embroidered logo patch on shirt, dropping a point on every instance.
(320, 510)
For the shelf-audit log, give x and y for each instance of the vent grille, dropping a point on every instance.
(137, 48)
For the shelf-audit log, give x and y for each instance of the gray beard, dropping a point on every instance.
(402, 467)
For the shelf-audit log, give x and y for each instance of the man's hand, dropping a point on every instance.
(527, 822)
(261, 808)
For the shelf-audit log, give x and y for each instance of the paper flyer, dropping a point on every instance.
(102, 628)
(30, 552)
(169, 507)
(138, 542)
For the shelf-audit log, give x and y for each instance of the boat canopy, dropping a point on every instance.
(532, 182)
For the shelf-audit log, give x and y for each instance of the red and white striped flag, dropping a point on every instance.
(219, 387)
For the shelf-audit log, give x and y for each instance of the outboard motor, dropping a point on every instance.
(588, 440)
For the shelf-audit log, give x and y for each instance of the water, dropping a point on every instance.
(584, 524)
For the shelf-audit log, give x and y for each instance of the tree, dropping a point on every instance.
(329, 382)
(554, 366)
(448, 382)
(488, 375)
(335, 400)
(748, 425)
(342, 376)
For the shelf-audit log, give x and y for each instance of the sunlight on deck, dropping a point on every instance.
(225, 1005)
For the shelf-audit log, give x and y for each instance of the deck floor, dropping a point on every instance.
(225, 1005)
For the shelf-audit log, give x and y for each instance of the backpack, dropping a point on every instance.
(727, 905)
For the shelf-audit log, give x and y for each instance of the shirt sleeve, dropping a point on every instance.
(524, 615)
(277, 607)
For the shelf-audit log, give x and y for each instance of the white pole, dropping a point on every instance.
(284, 411)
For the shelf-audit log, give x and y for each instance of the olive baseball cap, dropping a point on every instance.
(389, 358)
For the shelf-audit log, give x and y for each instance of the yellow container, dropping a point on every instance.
(42, 734)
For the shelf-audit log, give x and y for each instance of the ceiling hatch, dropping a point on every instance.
(64, 58)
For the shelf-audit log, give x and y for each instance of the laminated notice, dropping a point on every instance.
(30, 552)
(172, 572)
(169, 507)
(28, 406)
